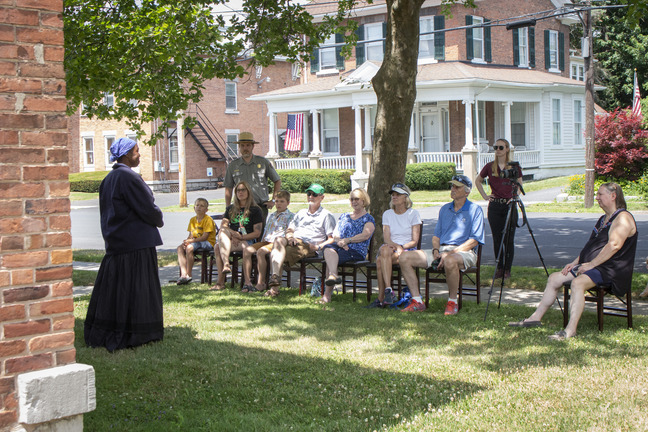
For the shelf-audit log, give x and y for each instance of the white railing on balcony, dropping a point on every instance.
(485, 158)
(291, 163)
(338, 162)
(452, 157)
(528, 158)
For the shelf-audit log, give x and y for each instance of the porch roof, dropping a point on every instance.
(442, 74)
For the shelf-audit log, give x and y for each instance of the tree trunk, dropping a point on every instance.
(395, 88)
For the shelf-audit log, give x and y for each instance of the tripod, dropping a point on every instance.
(515, 201)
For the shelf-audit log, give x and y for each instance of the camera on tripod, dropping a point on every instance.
(511, 173)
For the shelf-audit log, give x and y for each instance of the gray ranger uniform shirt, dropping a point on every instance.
(257, 173)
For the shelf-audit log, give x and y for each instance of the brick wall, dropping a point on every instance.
(36, 307)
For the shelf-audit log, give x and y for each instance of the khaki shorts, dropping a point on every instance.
(297, 252)
(469, 257)
(264, 244)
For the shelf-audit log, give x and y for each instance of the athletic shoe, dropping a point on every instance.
(414, 306)
(375, 304)
(389, 297)
(452, 308)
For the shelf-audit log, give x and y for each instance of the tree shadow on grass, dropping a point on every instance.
(187, 383)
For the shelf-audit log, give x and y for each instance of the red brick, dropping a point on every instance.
(19, 17)
(11, 208)
(31, 293)
(29, 363)
(22, 277)
(39, 35)
(7, 68)
(27, 328)
(51, 307)
(63, 239)
(47, 206)
(20, 85)
(12, 348)
(8, 137)
(12, 243)
(59, 223)
(37, 103)
(45, 139)
(54, 54)
(36, 173)
(21, 190)
(7, 102)
(59, 189)
(7, 33)
(14, 155)
(8, 418)
(16, 52)
(51, 342)
(63, 322)
(7, 385)
(62, 289)
(22, 121)
(10, 402)
(53, 273)
(54, 87)
(10, 172)
(66, 357)
(5, 278)
(25, 259)
(46, 5)
(12, 313)
(36, 241)
(61, 256)
(56, 156)
(56, 122)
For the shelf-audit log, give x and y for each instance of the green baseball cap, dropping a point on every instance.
(316, 188)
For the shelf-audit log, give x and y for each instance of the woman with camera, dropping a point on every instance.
(501, 176)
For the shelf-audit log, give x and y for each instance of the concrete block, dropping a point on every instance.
(56, 393)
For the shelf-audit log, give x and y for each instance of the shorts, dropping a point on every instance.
(345, 255)
(262, 244)
(204, 245)
(593, 274)
(469, 257)
(297, 252)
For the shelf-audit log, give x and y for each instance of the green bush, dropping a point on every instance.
(87, 181)
(429, 175)
(334, 181)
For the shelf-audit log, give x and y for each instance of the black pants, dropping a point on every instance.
(497, 220)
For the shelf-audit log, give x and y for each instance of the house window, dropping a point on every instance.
(330, 131)
(578, 122)
(232, 146)
(426, 41)
(173, 149)
(523, 47)
(327, 53)
(373, 110)
(109, 100)
(108, 140)
(518, 124)
(478, 40)
(374, 48)
(88, 152)
(554, 51)
(479, 113)
(578, 71)
(555, 118)
(230, 97)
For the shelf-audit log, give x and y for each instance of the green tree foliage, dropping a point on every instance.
(620, 45)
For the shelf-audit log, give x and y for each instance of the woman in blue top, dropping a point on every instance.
(350, 239)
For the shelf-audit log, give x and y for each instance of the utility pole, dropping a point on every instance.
(587, 47)
(182, 161)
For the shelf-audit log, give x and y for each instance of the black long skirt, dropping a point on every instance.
(125, 308)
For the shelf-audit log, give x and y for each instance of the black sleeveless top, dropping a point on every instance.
(618, 269)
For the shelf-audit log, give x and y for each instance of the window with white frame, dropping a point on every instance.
(109, 139)
(479, 112)
(518, 124)
(109, 100)
(230, 97)
(173, 149)
(374, 50)
(523, 47)
(327, 57)
(373, 110)
(330, 131)
(88, 151)
(478, 39)
(231, 139)
(578, 122)
(426, 41)
(553, 50)
(578, 71)
(556, 126)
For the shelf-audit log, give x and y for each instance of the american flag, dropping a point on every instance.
(636, 100)
(294, 132)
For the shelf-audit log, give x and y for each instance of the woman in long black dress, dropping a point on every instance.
(126, 305)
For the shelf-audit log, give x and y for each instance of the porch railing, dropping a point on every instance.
(527, 158)
(292, 163)
(338, 162)
(452, 157)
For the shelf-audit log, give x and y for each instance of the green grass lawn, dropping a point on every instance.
(233, 362)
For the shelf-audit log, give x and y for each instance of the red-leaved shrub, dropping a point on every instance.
(620, 145)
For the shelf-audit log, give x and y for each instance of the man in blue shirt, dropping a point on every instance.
(459, 229)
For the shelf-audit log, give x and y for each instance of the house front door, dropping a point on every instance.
(431, 132)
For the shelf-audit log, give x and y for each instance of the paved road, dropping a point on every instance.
(559, 235)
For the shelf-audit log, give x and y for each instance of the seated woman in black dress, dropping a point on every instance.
(607, 258)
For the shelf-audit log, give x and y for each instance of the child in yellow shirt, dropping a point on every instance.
(202, 235)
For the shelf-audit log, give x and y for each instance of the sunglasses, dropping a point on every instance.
(313, 194)
(501, 147)
(241, 190)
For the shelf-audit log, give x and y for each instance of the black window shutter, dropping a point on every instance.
(546, 49)
(561, 51)
(469, 38)
(339, 60)
(531, 42)
(360, 48)
(488, 56)
(516, 47)
(314, 66)
(439, 38)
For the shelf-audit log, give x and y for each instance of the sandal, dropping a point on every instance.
(560, 336)
(332, 281)
(247, 288)
(217, 287)
(252, 289)
(227, 270)
(275, 281)
(271, 293)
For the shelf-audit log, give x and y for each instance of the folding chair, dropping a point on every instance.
(597, 295)
(437, 276)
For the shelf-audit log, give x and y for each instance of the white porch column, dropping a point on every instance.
(306, 135)
(367, 129)
(272, 135)
(411, 144)
(469, 144)
(358, 140)
(316, 134)
(507, 122)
